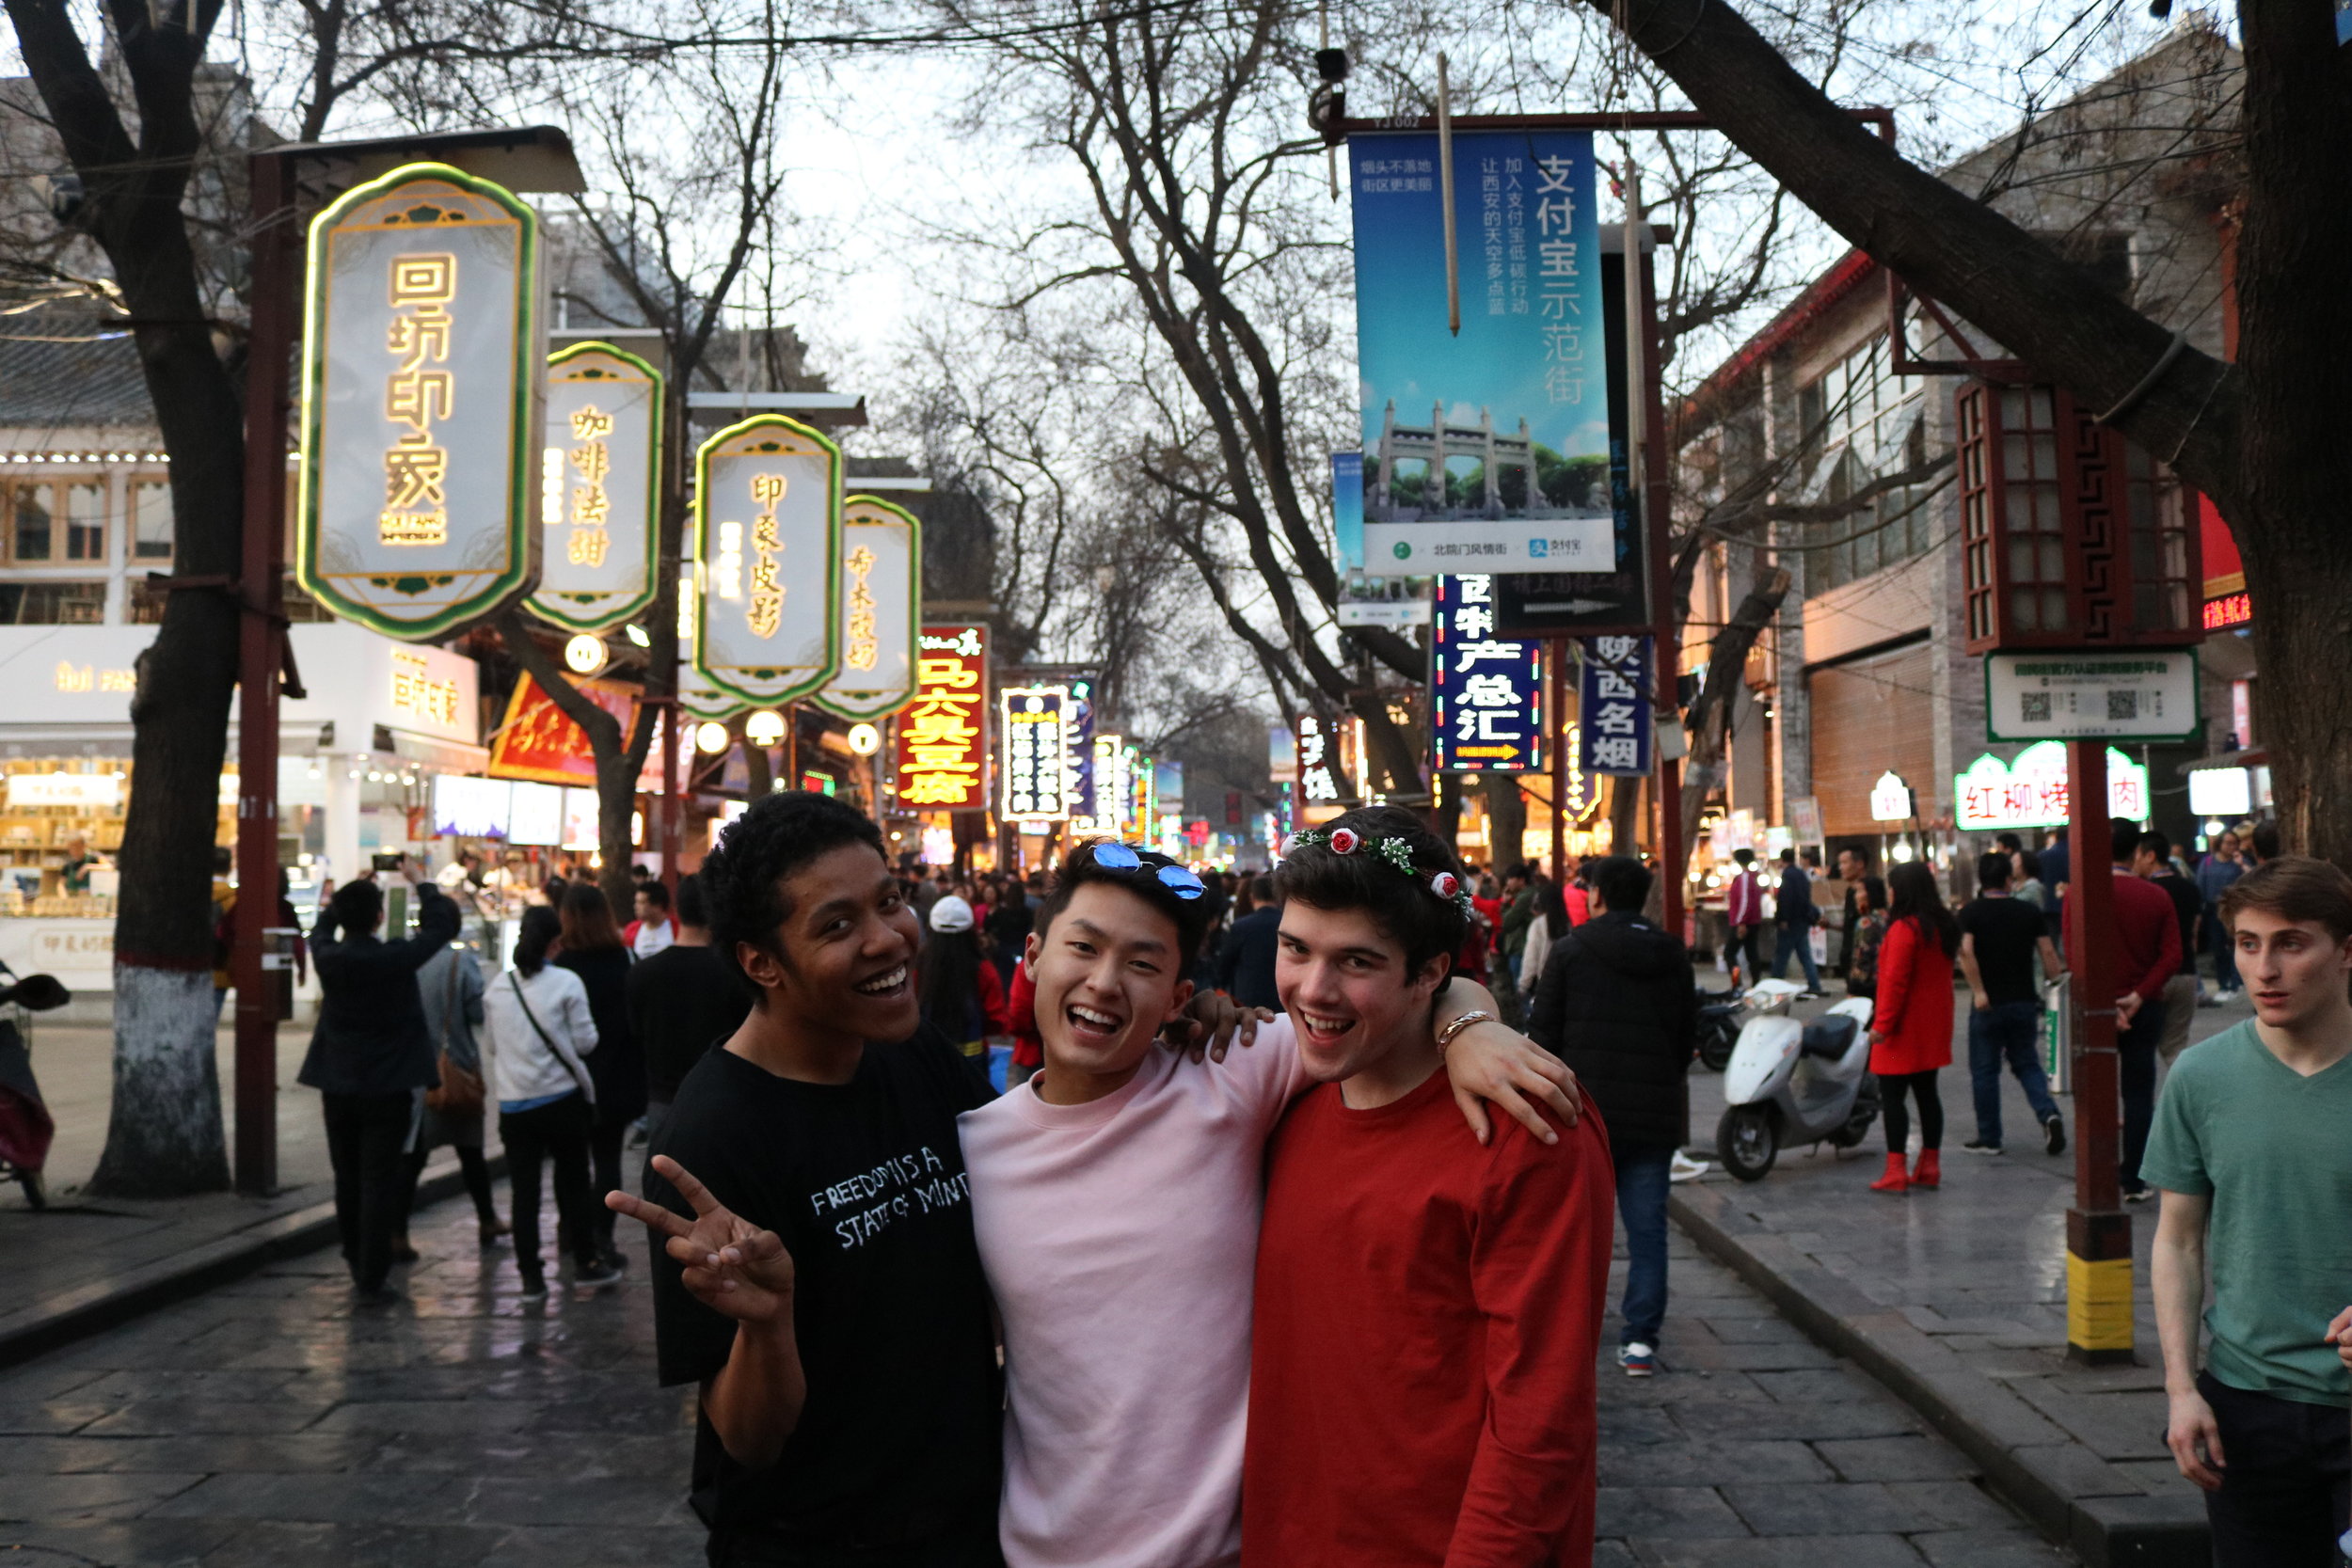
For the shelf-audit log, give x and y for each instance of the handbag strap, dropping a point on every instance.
(571, 1062)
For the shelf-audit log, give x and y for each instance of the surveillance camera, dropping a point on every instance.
(63, 193)
(1331, 64)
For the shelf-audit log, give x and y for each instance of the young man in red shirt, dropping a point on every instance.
(2145, 950)
(1428, 1309)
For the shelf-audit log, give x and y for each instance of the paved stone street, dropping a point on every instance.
(266, 1423)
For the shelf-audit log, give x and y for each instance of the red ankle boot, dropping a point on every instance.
(1928, 1172)
(1894, 1181)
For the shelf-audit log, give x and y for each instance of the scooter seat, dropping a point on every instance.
(1830, 1037)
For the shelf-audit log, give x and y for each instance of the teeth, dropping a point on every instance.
(885, 982)
(1087, 1015)
(1325, 1025)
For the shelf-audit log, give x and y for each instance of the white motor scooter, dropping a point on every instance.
(1793, 1082)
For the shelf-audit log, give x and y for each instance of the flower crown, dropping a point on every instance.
(1396, 851)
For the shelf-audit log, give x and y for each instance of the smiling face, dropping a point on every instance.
(2294, 970)
(842, 958)
(1108, 974)
(1348, 989)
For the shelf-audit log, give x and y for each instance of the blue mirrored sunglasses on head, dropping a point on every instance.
(1118, 857)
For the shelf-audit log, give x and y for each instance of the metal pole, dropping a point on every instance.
(2098, 1231)
(261, 655)
(1445, 200)
(1559, 760)
(1667, 647)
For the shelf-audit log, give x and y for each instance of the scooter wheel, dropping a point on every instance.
(1715, 1050)
(1748, 1141)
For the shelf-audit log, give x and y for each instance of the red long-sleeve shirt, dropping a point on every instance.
(2147, 950)
(1427, 1316)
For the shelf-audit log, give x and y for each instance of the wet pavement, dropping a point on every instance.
(268, 1423)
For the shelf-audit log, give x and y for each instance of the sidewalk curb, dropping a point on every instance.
(2102, 1516)
(79, 1313)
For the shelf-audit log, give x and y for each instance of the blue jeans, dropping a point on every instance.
(2007, 1032)
(1797, 940)
(2224, 951)
(1642, 1205)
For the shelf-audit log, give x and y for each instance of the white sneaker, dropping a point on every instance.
(1684, 1168)
(1639, 1360)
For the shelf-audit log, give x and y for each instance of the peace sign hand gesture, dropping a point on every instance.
(732, 1265)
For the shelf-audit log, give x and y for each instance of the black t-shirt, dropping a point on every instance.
(681, 1002)
(2006, 933)
(900, 1439)
(2188, 907)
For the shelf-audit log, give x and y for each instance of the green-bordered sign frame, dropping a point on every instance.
(2108, 693)
(626, 551)
(894, 537)
(421, 389)
(761, 631)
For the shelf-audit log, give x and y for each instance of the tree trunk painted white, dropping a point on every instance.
(165, 1136)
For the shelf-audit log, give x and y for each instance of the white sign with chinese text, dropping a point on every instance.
(767, 538)
(881, 591)
(2076, 694)
(2031, 790)
(1891, 799)
(420, 403)
(600, 487)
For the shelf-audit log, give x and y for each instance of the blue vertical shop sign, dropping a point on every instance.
(1486, 696)
(1614, 723)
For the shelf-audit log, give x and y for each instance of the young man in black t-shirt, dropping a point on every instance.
(818, 1276)
(684, 1002)
(1998, 939)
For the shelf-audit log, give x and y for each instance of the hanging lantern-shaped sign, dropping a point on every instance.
(881, 592)
(420, 403)
(767, 547)
(600, 487)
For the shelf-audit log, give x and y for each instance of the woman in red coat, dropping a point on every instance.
(1911, 1026)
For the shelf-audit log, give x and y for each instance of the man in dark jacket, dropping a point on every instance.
(1618, 1004)
(371, 1060)
(1244, 965)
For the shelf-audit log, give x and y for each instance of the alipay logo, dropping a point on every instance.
(1539, 549)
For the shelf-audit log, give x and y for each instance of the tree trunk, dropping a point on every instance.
(616, 763)
(1506, 822)
(1625, 814)
(1709, 722)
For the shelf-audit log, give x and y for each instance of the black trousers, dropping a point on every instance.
(473, 1165)
(557, 1135)
(2135, 1074)
(2287, 1480)
(604, 1156)
(1922, 1089)
(364, 1137)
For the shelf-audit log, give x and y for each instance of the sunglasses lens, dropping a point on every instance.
(1181, 882)
(1117, 857)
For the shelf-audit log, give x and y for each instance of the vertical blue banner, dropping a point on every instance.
(1614, 725)
(1347, 508)
(1081, 721)
(1486, 697)
(1488, 448)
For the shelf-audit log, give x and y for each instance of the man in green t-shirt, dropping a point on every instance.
(2252, 1153)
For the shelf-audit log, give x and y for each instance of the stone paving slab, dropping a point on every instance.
(1956, 1300)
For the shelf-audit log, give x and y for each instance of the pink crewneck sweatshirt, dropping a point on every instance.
(1121, 1239)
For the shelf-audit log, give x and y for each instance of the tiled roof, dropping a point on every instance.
(70, 364)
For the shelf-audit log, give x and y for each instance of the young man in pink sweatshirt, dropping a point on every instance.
(1116, 1197)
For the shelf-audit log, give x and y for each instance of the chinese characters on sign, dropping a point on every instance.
(598, 488)
(416, 691)
(1614, 732)
(420, 414)
(2229, 609)
(417, 395)
(1322, 778)
(943, 737)
(1487, 697)
(1037, 752)
(2031, 791)
(1485, 449)
(2083, 694)
(768, 510)
(880, 565)
(1111, 786)
(1892, 801)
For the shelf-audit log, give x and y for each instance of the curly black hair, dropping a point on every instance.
(1403, 907)
(1190, 916)
(742, 878)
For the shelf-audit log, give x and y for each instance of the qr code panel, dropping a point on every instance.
(2036, 706)
(2123, 706)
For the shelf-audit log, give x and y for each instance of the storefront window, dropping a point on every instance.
(86, 520)
(60, 826)
(52, 604)
(29, 516)
(151, 520)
